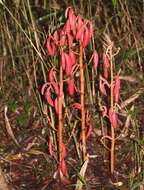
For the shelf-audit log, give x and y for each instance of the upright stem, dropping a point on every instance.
(112, 105)
(83, 128)
(60, 117)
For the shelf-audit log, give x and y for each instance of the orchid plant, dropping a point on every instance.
(68, 43)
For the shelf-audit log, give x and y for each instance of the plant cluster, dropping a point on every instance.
(67, 45)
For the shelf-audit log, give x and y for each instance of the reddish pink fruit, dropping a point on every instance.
(68, 68)
(106, 73)
(72, 20)
(70, 40)
(55, 37)
(113, 118)
(95, 60)
(86, 37)
(72, 57)
(117, 88)
(80, 22)
(63, 60)
(103, 82)
(67, 27)
(68, 12)
(51, 75)
(55, 87)
(56, 105)
(71, 87)
(79, 33)
(63, 40)
(48, 97)
(44, 87)
(105, 60)
(50, 47)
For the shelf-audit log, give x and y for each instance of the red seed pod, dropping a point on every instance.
(102, 89)
(51, 48)
(106, 73)
(80, 22)
(70, 40)
(67, 27)
(63, 60)
(68, 68)
(55, 87)
(72, 20)
(71, 87)
(72, 57)
(105, 60)
(56, 105)
(86, 37)
(48, 97)
(63, 168)
(44, 87)
(117, 88)
(68, 12)
(103, 82)
(79, 33)
(63, 40)
(51, 75)
(95, 60)
(113, 118)
(55, 37)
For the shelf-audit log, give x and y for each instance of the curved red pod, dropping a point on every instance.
(56, 37)
(67, 27)
(63, 40)
(48, 97)
(105, 60)
(113, 117)
(70, 40)
(86, 37)
(56, 105)
(68, 68)
(51, 75)
(72, 57)
(116, 90)
(62, 61)
(71, 87)
(79, 33)
(55, 87)
(72, 20)
(80, 22)
(50, 47)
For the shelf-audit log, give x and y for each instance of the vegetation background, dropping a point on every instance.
(24, 26)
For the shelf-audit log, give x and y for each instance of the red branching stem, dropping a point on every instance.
(83, 128)
(60, 115)
(112, 166)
